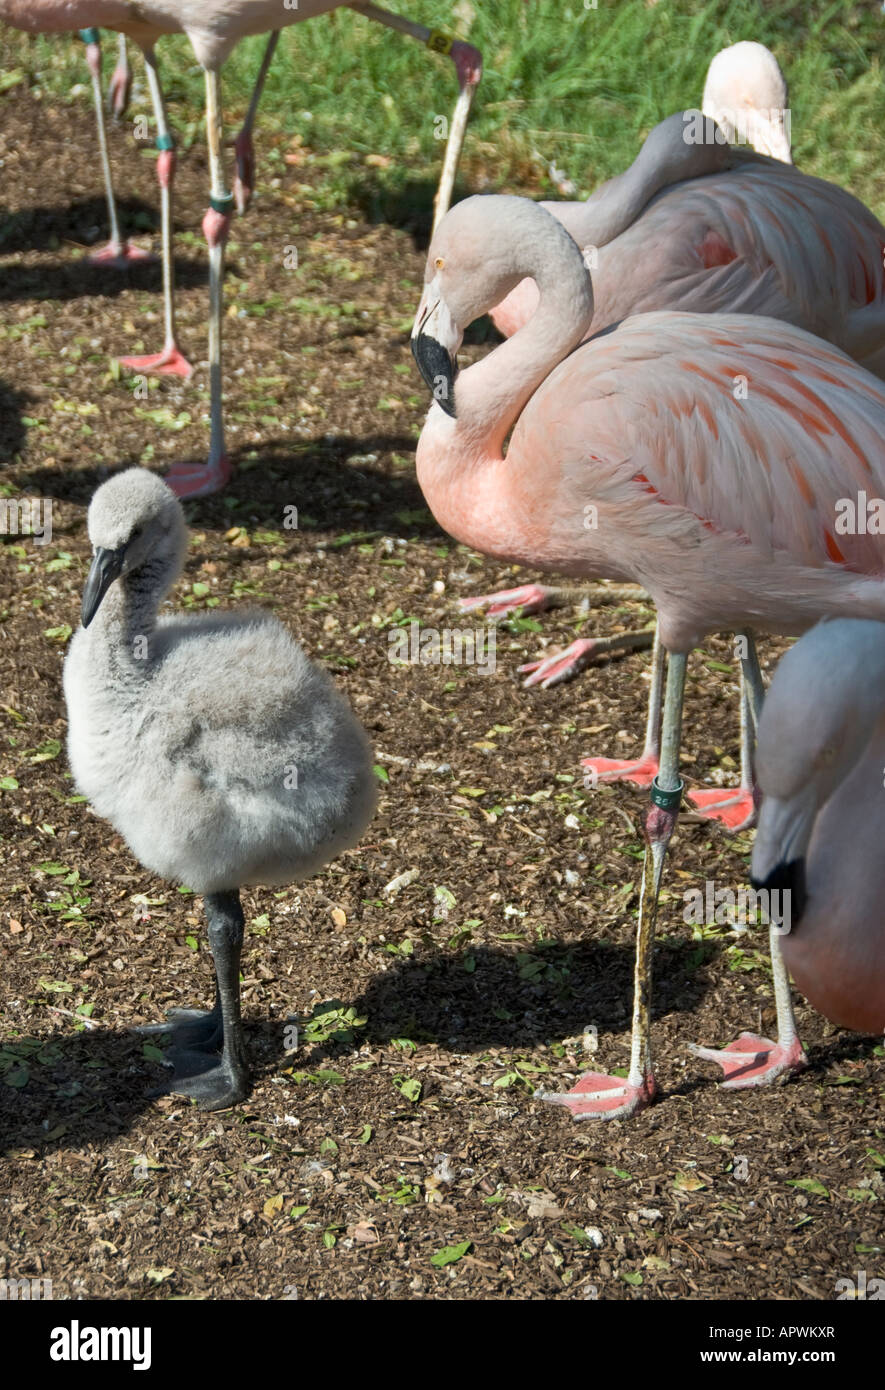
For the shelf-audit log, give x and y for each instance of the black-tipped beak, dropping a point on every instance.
(438, 370)
(106, 567)
(787, 880)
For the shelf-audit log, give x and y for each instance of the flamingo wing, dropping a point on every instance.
(743, 424)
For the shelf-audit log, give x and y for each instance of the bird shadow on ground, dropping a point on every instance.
(477, 997)
(13, 433)
(408, 206)
(69, 1089)
(78, 279)
(333, 480)
(83, 221)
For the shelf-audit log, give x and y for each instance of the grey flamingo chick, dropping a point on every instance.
(213, 746)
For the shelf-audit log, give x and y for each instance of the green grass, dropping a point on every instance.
(564, 84)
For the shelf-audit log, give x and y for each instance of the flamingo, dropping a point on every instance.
(726, 240)
(819, 762)
(745, 94)
(702, 456)
(214, 31)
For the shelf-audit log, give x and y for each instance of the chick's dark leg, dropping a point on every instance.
(214, 1081)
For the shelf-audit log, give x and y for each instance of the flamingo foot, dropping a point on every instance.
(203, 480)
(115, 256)
(736, 810)
(641, 772)
(753, 1061)
(170, 362)
(530, 598)
(596, 1096)
(563, 665)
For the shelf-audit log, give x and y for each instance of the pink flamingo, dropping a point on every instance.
(214, 31)
(702, 456)
(818, 851)
(722, 241)
(745, 93)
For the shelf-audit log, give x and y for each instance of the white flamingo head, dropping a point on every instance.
(746, 94)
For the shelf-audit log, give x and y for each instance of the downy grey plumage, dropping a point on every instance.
(216, 749)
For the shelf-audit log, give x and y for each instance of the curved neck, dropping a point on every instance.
(127, 617)
(492, 393)
(676, 150)
(615, 205)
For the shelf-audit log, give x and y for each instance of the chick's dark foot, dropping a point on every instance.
(197, 1029)
(215, 1083)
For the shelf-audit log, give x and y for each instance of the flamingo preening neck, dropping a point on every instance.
(514, 238)
(687, 145)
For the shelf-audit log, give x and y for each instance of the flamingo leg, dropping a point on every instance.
(639, 772)
(201, 480)
(468, 66)
(737, 810)
(120, 85)
(244, 182)
(117, 254)
(752, 1060)
(596, 1095)
(214, 1081)
(537, 598)
(171, 361)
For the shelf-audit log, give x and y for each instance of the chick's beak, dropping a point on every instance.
(435, 342)
(106, 566)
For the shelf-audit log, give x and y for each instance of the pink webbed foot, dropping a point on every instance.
(596, 1096)
(199, 480)
(561, 667)
(640, 772)
(170, 362)
(530, 598)
(735, 810)
(244, 182)
(115, 256)
(753, 1061)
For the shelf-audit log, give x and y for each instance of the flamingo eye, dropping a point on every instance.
(440, 263)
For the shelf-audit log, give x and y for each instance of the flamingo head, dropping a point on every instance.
(746, 94)
(480, 251)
